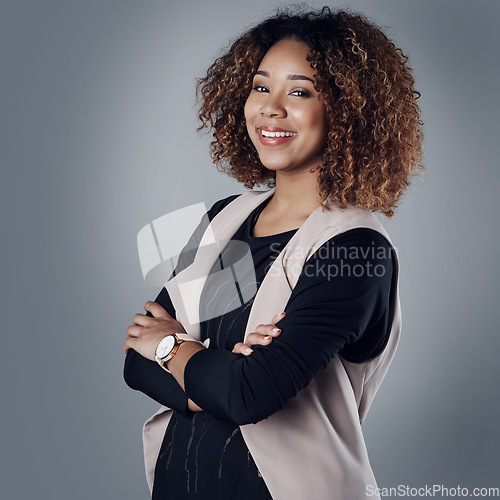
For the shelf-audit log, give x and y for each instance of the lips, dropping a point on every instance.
(274, 136)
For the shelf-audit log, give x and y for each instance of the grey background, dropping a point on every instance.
(98, 138)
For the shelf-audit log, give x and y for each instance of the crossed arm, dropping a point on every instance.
(324, 317)
(148, 329)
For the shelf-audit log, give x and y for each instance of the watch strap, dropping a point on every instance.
(180, 338)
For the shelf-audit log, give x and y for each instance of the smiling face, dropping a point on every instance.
(285, 119)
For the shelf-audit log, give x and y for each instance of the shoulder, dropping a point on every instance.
(361, 237)
(361, 255)
(221, 204)
(252, 196)
(360, 241)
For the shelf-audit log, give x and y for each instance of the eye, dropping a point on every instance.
(300, 93)
(260, 88)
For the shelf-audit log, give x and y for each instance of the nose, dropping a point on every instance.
(273, 107)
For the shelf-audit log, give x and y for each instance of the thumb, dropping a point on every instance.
(277, 318)
(156, 310)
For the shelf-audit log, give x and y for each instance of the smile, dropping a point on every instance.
(275, 136)
(265, 133)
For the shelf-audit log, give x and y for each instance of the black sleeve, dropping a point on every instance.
(147, 376)
(340, 299)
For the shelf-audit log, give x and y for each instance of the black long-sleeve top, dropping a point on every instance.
(338, 306)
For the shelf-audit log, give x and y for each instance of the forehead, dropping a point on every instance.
(287, 55)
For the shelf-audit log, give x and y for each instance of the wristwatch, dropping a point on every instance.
(168, 346)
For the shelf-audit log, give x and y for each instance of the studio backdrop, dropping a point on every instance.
(99, 138)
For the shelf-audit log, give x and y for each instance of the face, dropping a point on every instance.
(285, 119)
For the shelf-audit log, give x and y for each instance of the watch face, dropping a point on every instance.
(165, 346)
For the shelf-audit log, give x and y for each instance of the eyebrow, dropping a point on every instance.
(289, 77)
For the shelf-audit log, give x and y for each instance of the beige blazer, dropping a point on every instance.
(313, 448)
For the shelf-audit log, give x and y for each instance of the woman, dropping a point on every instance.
(322, 108)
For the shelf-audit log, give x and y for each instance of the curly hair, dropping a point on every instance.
(374, 141)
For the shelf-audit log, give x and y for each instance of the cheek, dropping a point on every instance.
(249, 109)
(319, 121)
(249, 122)
(312, 120)
(247, 114)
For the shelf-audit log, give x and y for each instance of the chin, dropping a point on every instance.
(276, 166)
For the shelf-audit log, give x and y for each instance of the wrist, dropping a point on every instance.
(168, 347)
(178, 362)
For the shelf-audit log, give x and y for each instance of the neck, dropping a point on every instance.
(296, 194)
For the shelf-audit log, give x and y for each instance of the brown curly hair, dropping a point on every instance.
(374, 142)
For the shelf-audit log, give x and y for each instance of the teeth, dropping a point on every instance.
(265, 133)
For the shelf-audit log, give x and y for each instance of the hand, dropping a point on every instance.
(263, 335)
(146, 332)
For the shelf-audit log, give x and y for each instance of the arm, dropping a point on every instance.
(148, 377)
(326, 314)
(145, 375)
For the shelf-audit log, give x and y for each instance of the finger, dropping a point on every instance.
(241, 348)
(128, 345)
(156, 310)
(266, 330)
(134, 331)
(277, 318)
(258, 339)
(142, 320)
